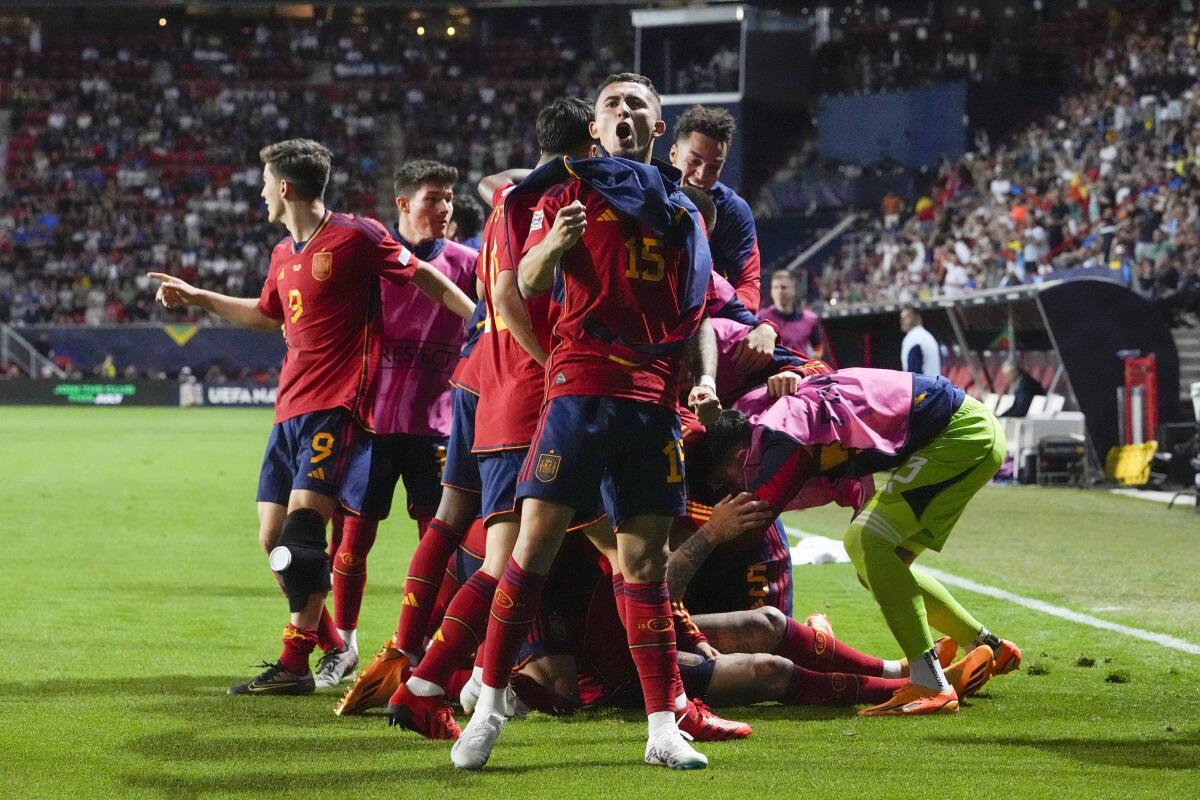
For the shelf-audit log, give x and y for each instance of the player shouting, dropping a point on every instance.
(628, 253)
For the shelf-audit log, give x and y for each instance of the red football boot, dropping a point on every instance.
(429, 716)
(699, 722)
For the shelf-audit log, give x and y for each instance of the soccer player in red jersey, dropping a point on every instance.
(323, 287)
(628, 251)
(510, 357)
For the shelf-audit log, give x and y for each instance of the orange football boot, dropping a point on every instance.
(375, 684)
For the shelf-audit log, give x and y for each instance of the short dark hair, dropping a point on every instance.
(303, 163)
(715, 123)
(562, 126)
(704, 204)
(412, 174)
(731, 430)
(630, 77)
(467, 218)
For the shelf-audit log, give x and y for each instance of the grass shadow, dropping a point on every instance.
(1177, 751)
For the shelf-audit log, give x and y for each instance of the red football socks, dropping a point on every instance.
(812, 649)
(445, 596)
(650, 629)
(423, 582)
(462, 630)
(350, 567)
(513, 609)
(422, 526)
(327, 636)
(809, 688)
(297, 644)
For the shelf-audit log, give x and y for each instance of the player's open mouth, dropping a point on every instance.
(624, 134)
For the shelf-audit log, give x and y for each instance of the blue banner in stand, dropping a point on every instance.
(247, 394)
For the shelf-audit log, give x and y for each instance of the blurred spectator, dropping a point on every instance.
(1022, 386)
(799, 327)
(919, 352)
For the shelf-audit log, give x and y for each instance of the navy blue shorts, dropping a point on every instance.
(499, 471)
(462, 467)
(613, 453)
(317, 452)
(415, 460)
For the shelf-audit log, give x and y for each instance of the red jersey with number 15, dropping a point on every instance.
(326, 292)
(508, 411)
(621, 287)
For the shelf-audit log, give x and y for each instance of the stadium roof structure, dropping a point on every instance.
(1086, 326)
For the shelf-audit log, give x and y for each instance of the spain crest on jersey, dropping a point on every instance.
(322, 265)
(547, 467)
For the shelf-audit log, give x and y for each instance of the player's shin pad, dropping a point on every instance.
(300, 559)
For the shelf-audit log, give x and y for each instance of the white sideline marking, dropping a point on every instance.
(1038, 605)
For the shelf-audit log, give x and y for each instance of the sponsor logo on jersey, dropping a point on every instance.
(918, 399)
(539, 217)
(547, 467)
(318, 473)
(608, 215)
(322, 265)
(560, 379)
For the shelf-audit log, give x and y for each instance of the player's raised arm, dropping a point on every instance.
(489, 185)
(245, 311)
(440, 289)
(535, 274)
(511, 308)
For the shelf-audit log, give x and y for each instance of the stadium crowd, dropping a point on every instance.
(132, 153)
(1110, 182)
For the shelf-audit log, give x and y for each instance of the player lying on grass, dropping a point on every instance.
(569, 662)
(823, 440)
(323, 287)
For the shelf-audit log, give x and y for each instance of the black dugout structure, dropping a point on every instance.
(1085, 328)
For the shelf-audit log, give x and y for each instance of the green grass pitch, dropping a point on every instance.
(135, 594)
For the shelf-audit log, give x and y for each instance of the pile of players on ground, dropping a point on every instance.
(568, 559)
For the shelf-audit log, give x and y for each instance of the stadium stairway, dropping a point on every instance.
(1187, 342)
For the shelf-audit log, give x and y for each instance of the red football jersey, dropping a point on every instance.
(508, 410)
(326, 292)
(621, 283)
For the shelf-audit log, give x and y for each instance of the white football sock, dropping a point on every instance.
(350, 637)
(892, 669)
(423, 688)
(659, 720)
(927, 672)
(477, 674)
(491, 701)
(680, 703)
